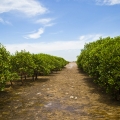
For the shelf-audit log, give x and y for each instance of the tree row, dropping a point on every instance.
(24, 64)
(101, 60)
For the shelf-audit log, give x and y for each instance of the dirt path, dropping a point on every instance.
(65, 95)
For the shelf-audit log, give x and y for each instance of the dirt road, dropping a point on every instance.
(66, 95)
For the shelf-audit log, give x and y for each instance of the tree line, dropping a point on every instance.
(24, 64)
(101, 60)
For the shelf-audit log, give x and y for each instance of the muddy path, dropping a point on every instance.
(66, 95)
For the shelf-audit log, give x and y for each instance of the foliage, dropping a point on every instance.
(25, 64)
(22, 63)
(6, 73)
(101, 60)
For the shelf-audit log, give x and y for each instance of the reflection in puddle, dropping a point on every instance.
(58, 106)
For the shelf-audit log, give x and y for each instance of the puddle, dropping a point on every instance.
(84, 110)
(53, 106)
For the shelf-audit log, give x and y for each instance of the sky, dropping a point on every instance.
(57, 27)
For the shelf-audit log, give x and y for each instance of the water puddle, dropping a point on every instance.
(56, 105)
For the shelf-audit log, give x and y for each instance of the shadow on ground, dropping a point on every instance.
(103, 96)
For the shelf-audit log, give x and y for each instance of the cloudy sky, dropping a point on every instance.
(57, 27)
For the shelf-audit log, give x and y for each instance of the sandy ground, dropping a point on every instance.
(66, 95)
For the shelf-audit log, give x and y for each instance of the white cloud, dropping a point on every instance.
(7, 22)
(1, 20)
(4, 22)
(28, 7)
(69, 49)
(35, 35)
(50, 24)
(44, 21)
(108, 2)
(90, 38)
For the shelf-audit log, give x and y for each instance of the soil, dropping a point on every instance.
(69, 94)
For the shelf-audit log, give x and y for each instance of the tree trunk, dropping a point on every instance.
(21, 79)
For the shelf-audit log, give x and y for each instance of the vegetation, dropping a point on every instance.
(23, 64)
(6, 73)
(101, 60)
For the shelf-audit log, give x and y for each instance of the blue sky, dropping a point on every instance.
(57, 27)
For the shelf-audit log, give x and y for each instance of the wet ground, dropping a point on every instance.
(66, 95)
